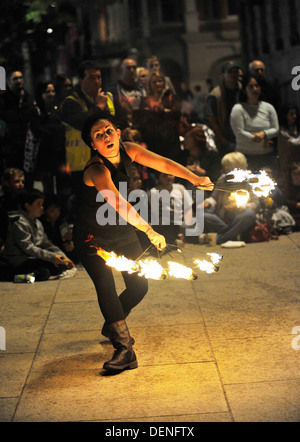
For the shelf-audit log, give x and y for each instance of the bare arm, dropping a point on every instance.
(150, 159)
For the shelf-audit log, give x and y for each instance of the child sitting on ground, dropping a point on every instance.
(58, 231)
(222, 215)
(27, 248)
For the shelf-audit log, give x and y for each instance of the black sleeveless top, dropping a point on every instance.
(87, 229)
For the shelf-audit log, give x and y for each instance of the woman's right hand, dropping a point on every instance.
(156, 239)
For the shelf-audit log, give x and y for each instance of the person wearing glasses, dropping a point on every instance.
(108, 221)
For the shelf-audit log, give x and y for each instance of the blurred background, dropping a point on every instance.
(191, 38)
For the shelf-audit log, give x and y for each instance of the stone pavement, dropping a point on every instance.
(218, 349)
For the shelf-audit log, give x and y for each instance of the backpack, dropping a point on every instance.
(262, 232)
(283, 220)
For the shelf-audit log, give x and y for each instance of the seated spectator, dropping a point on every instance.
(221, 214)
(292, 194)
(58, 231)
(27, 247)
(175, 212)
(13, 184)
(203, 159)
(288, 142)
(255, 123)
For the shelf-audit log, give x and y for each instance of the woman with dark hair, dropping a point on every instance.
(254, 123)
(46, 125)
(288, 142)
(105, 173)
(63, 87)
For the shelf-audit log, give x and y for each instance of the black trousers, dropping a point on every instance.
(113, 307)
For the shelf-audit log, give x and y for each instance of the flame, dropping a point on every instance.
(151, 270)
(264, 184)
(261, 183)
(215, 258)
(180, 271)
(240, 198)
(206, 266)
(120, 263)
(238, 175)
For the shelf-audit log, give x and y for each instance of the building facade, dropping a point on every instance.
(270, 31)
(192, 38)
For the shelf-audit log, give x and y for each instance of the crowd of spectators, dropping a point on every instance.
(41, 145)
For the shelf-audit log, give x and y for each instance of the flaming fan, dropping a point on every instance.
(152, 269)
(240, 183)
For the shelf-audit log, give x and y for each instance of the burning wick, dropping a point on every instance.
(152, 270)
(181, 272)
(261, 184)
(240, 198)
(215, 258)
(206, 266)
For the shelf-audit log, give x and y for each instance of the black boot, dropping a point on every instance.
(124, 356)
(105, 329)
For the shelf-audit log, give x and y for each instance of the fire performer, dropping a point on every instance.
(109, 167)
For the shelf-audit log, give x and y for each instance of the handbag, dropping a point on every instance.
(262, 232)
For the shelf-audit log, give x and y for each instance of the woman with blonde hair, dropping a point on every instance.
(160, 118)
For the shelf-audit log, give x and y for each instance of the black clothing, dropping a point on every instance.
(86, 222)
(15, 110)
(89, 235)
(47, 126)
(112, 306)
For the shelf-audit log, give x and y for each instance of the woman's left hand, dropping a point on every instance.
(203, 183)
